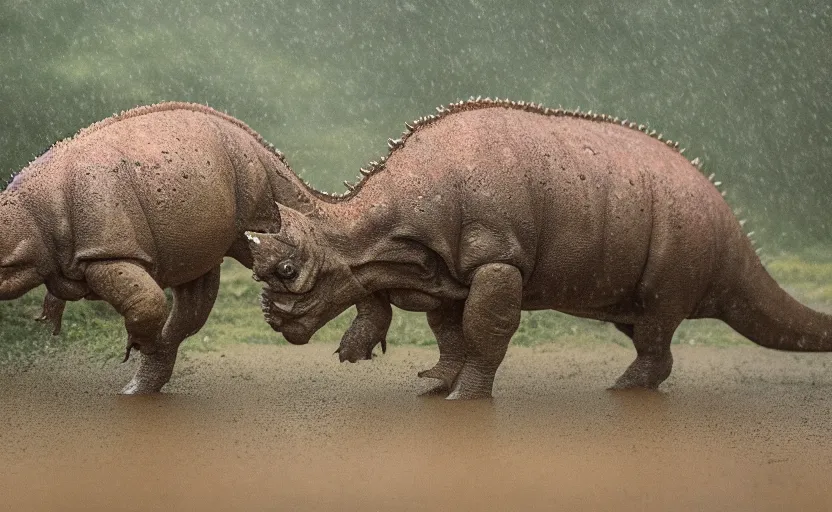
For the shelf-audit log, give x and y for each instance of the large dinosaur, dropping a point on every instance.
(150, 199)
(493, 207)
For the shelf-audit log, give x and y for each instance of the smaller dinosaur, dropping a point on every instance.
(493, 207)
(149, 199)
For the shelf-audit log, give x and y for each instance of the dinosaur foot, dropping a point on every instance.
(438, 390)
(645, 373)
(358, 342)
(472, 384)
(446, 372)
(149, 378)
(138, 386)
(357, 352)
(153, 373)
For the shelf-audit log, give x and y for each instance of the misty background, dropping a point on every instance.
(743, 84)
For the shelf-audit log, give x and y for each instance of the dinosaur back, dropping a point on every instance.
(161, 185)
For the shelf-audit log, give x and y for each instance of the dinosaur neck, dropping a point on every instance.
(290, 190)
(381, 253)
(343, 219)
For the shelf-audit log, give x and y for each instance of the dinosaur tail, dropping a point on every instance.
(764, 313)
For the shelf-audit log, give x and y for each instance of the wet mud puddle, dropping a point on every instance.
(269, 428)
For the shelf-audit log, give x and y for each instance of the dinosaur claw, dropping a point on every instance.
(429, 374)
(130, 347)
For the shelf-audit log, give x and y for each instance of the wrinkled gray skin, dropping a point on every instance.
(150, 199)
(493, 208)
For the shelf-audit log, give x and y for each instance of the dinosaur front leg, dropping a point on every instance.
(192, 303)
(136, 297)
(491, 316)
(52, 313)
(367, 330)
(446, 324)
(653, 360)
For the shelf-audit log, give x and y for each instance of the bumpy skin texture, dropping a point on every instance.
(150, 199)
(493, 207)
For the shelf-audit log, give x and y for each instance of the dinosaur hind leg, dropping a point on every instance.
(653, 360)
(446, 324)
(192, 303)
(492, 315)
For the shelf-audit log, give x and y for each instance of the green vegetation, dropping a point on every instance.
(95, 328)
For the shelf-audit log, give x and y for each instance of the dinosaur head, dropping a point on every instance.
(20, 251)
(306, 282)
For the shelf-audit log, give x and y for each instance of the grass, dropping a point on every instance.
(95, 328)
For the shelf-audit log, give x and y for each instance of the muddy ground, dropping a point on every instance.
(271, 428)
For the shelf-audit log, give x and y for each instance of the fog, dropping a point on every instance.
(743, 85)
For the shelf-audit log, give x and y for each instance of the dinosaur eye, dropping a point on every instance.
(286, 269)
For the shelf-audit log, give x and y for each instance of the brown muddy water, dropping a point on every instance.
(288, 428)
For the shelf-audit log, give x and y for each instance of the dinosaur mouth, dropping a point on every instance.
(279, 317)
(296, 333)
(274, 311)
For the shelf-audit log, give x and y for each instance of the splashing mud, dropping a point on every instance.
(258, 428)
